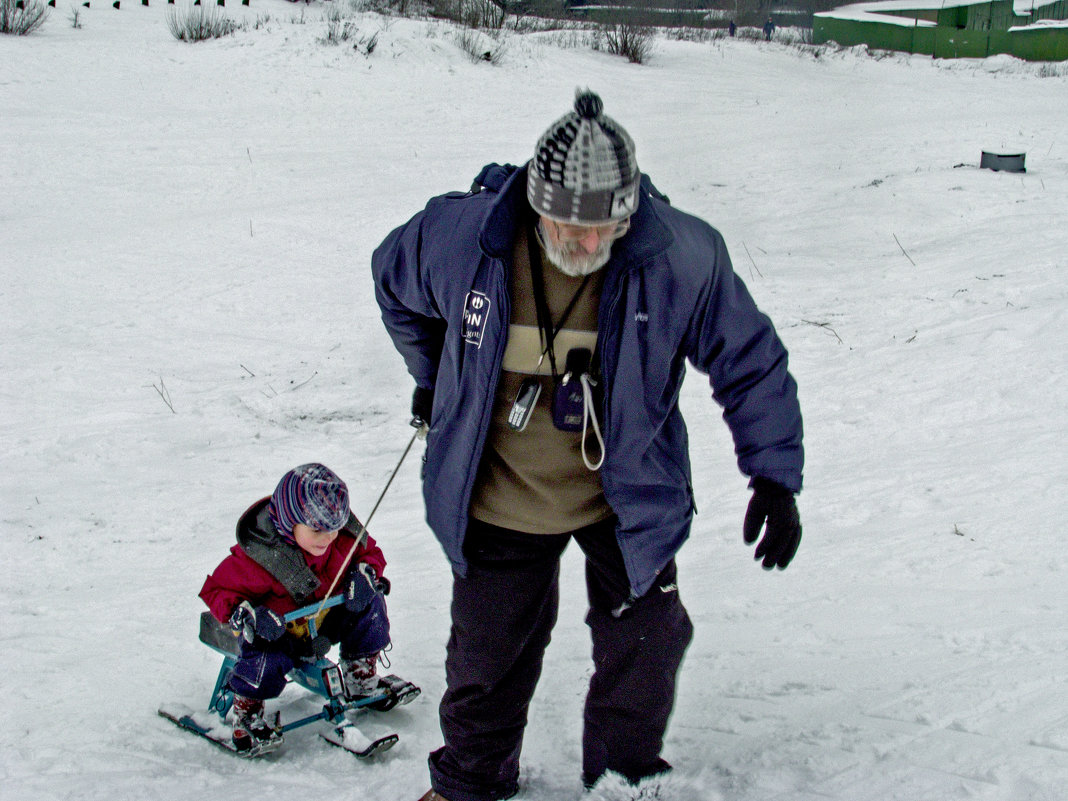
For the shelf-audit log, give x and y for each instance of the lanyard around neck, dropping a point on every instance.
(546, 328)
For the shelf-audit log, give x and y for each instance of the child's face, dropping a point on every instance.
(312, 540)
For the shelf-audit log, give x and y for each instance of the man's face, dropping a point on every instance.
(578, 250)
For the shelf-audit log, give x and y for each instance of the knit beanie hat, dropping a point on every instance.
(583, 170)
(311, 494)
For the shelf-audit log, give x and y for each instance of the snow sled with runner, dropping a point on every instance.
(319, 675)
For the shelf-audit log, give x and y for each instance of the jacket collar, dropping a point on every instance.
(648, 235)
(506, 213)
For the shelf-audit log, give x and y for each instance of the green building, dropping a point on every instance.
(1029, 29)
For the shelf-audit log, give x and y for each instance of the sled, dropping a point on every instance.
(320, 676)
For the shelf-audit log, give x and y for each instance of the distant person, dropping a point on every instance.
(547, 317)
(769, 29)
(732, 28)
(290, 547)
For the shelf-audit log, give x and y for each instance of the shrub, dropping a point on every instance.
(752, 34)
(338, 29)
(574, 39)
(367, 44)
(402, 8)
(472, 13)
(21, 18)
(699, 35)
(197, 23)
(632, 41)
(475, 46)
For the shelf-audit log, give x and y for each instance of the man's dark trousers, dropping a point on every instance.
(503, 613)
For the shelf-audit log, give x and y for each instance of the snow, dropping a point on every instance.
(1042, 23)
(194, 223)
(1026, 7)
(875, 12)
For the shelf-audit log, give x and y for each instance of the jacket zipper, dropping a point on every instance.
(603, 317)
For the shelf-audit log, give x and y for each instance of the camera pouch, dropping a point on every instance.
(568, 398)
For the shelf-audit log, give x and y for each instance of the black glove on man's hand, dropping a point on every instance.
(362, 587)
(259, 622)
(775, 504)
(422, 405)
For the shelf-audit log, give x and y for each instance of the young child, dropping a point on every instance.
(290, 547)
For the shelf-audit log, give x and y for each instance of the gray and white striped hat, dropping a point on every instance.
(584, 171)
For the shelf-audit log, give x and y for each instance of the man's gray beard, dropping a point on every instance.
(577, 263)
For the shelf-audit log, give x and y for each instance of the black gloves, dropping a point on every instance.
(422, 404)
(775, 504)
(259, 622)
(362, 587)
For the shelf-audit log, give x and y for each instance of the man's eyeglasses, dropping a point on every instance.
(569, 234)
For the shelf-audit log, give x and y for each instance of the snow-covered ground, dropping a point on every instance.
(195, 222)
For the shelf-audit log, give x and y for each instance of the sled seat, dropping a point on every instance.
(222, 638)
(219, 636)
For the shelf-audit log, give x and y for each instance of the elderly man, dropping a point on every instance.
(546, 317)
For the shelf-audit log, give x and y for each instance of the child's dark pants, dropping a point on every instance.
(503, 613)
(261, 671)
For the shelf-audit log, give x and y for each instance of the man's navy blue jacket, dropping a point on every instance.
(670, 295)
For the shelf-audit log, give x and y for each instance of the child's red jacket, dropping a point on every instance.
(239, 578)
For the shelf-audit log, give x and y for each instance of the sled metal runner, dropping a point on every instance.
(320, 676)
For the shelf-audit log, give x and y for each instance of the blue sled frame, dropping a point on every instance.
(321, 676)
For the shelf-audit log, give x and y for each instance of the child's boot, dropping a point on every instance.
(362, 681)
(360, 676)
(252, 732)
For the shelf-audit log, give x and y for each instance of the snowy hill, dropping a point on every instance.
(190, 226)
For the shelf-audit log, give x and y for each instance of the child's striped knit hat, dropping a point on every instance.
(311, 494)
(584, 171)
